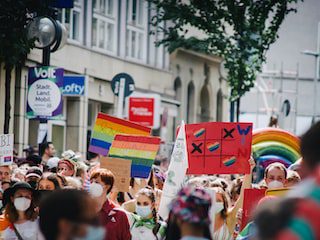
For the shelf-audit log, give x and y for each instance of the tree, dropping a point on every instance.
(15, 44)
(239, 31)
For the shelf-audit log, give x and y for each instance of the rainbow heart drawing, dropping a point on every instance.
(229, 161)
(213, 146)
(199, 132)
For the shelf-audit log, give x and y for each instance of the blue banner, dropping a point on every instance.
(73, 85)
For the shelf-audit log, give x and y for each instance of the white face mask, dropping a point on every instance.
(96, 190)
(143, 211)
(218, 207)
(22, 203)
(275, 184)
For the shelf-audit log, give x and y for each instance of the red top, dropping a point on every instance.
(115, 221)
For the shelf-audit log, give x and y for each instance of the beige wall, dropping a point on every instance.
(189, 66)
(99, 69)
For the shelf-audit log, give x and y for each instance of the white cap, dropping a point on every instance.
(53, 162)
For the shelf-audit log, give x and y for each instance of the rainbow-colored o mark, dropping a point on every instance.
(213, 146)
(200, 132)
(230, 161)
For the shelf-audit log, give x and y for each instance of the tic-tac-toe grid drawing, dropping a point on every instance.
(218, 147)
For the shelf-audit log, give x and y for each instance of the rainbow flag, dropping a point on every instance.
(107, 127)
(141, 150)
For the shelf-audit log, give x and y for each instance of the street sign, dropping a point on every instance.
(44, 99)
(128, 84)
(74, 85)
(6, 149)
(145, 109)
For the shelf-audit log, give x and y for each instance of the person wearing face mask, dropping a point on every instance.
(275, 175)
(112, 218)
(66, 214)
(21, 213)
(189, 215)
(146, 224)
(225, 217)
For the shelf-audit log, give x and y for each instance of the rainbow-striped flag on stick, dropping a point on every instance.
(141, 150)
(105, 129)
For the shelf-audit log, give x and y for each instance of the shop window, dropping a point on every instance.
(104, 25)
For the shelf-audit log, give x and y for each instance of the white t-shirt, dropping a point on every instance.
(28, 230)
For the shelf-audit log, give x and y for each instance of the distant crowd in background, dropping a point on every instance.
(44, 196)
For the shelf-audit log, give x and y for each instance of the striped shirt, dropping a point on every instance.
(305, 223)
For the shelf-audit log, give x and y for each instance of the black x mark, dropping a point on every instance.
(196, 147)
(228, 133)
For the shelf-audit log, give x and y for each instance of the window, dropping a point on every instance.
(190, 103)
(104, 25)
(136, 29)
(205, 104)
(73, 20)
(219, 113)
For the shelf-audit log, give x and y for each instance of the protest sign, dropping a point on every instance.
(121, 169)
(219, 148)
(176, 172)
(44, 99)
(281, 192)
(6, 149)
(141, 150)
(250, 201)
(105, 129)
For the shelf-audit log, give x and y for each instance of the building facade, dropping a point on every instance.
(107, 37)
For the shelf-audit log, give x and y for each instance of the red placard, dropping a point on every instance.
(141, 110)
(250, 201)
(219, 148)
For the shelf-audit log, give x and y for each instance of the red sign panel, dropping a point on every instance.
(141, 111)
(219, 148)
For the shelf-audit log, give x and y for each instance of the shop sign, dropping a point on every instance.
(144, 109)
(74, 85)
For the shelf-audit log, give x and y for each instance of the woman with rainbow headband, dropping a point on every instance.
(145, 225)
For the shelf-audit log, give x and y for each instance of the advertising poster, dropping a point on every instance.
(44, 99)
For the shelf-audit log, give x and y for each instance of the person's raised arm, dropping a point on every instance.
(247, 180)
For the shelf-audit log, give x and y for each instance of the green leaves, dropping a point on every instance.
(240, 31)
(15, 45)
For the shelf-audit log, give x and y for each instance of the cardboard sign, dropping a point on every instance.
(44, 99)
(106, 128)
(141, 150)
(250, 201)
(6, 149)
(219, 148)
(176, 173)
(121, 168)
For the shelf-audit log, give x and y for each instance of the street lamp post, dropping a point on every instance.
(315, 81)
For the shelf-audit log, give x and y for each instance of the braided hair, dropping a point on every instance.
(149, 192)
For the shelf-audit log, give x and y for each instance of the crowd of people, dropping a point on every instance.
(68, 197)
